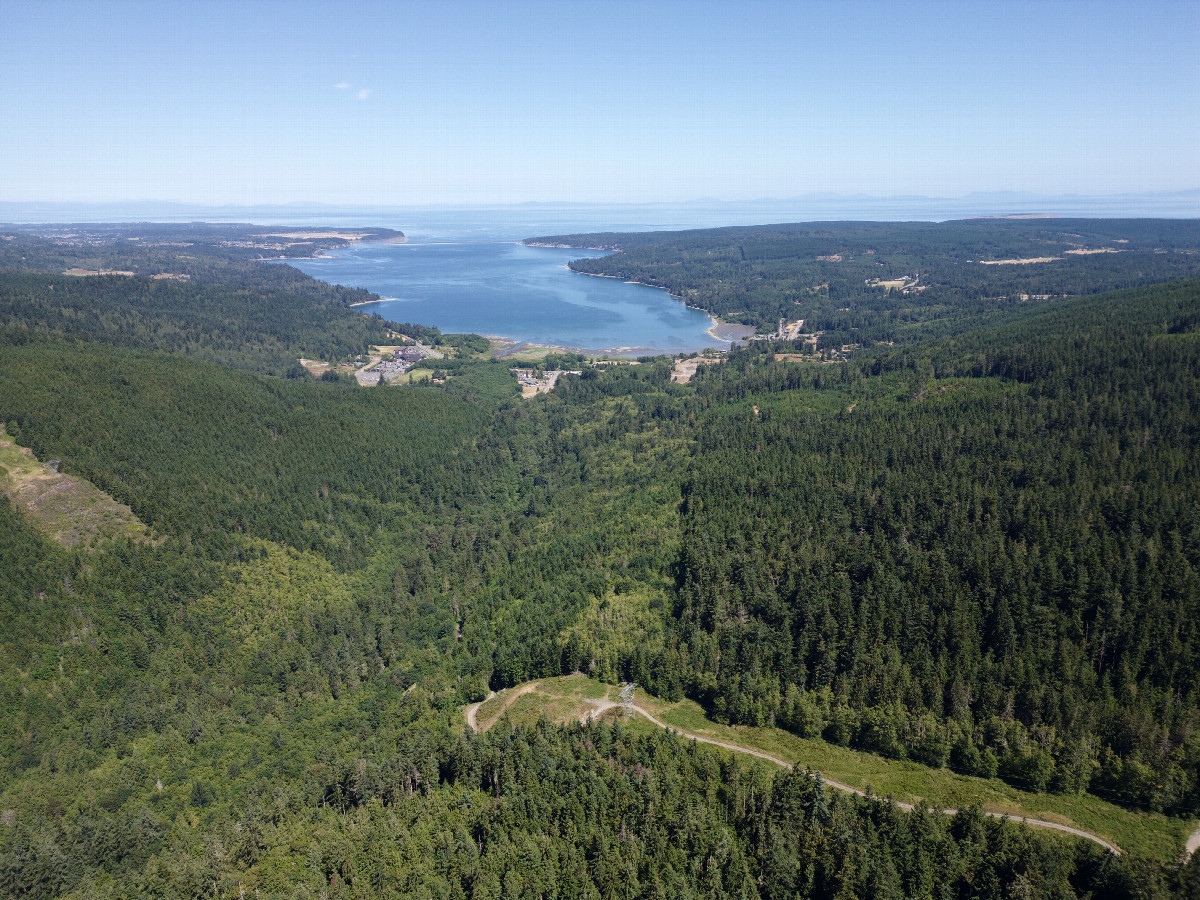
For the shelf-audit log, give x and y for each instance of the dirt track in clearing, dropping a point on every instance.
(510, 697)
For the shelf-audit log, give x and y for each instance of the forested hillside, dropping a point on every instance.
(982, 553)
(150, 248)
(207, 297)
(979, 551)
(879, 282)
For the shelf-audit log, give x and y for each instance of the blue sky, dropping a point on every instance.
(500, 102)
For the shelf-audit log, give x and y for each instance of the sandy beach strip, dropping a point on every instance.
(729, 331)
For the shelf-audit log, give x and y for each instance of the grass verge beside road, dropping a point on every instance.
(564, 700)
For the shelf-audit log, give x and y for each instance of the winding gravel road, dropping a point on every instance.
(509, 699)
(602, 705)
(473, 711)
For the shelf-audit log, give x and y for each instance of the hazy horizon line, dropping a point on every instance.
(695, 201)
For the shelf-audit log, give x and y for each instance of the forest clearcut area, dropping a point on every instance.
(934, 532)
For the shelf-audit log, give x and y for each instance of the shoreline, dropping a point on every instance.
(401, 238)
(729, 333)
(512, 346)
(733, 332)
(719, 330)
(567, 246)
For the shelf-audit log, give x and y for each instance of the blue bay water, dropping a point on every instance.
(514, 291)
(522, 293)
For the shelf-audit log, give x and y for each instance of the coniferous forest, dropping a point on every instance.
(956, 528)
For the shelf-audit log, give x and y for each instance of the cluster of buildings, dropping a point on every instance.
(788, 331)
(402, 359)
(531, 384)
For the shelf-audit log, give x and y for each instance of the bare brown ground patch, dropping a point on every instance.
(1018, 262)
(66, 509)
(315, 366)
(684, 369)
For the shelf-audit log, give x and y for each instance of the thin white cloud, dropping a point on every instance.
(364, 93)
(341, 85)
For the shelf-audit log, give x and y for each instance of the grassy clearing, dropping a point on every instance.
(412, 376)
(531, 354)
(562, 700)
(66, 509)
(315, 366)
(516, 351)
(557, 707)
(386, 350)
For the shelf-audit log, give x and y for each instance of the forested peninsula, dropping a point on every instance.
(879, 282)
(933, 534)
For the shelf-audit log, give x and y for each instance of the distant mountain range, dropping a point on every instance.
(823, 206)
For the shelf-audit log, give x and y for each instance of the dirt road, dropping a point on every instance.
(510, 697)
(473, 710)
(603, 705)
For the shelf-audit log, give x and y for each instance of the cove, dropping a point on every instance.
(514, 291)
